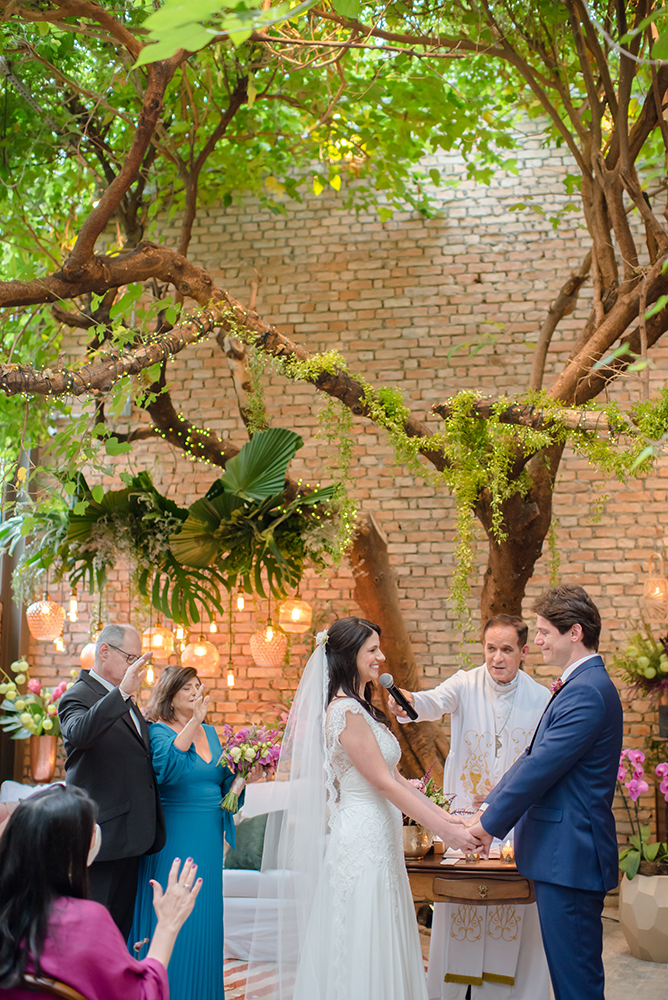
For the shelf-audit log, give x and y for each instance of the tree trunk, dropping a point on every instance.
(377, 595)
(511, 562)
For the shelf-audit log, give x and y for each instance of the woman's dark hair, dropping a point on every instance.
(345, 638)
(170, 682)
(43, 856)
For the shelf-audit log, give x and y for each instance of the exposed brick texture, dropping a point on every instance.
(396, 299)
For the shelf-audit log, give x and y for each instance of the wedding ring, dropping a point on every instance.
(186, 885)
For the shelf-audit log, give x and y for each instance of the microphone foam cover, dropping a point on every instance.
(387, 680)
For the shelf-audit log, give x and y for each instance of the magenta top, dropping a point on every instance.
(85, 949)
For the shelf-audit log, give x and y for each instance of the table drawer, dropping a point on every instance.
(483, 890)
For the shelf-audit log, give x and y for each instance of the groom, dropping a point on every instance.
(559, 794)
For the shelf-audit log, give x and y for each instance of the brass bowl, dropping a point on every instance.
(417, 841)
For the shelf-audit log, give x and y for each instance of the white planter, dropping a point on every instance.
(643, 916)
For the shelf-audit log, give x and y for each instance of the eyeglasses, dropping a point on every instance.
(129, 657)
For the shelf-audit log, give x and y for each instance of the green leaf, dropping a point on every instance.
(651, 851)
(98, 493)
(251, 90)
(192, 37)
(657, 306)
(258, 471)
(27, 524)
(632, 864)
(81, 507)
(348, 8)
(113, 446)
(660, 47)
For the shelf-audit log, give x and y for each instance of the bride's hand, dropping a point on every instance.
(458, 836)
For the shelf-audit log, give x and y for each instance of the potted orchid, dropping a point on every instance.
(643, 896)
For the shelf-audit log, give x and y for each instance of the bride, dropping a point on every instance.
(346, 920)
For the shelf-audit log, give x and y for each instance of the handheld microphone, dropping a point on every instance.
(387, 680)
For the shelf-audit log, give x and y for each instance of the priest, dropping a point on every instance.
(497, 951)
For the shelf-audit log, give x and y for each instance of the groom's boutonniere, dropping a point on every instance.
(556, 686)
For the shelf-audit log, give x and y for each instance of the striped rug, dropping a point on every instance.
(236, 974)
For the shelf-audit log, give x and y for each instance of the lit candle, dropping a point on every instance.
(507, 853)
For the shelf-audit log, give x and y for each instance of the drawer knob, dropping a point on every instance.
(482, 891)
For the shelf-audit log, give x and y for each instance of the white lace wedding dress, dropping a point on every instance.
(362, 941)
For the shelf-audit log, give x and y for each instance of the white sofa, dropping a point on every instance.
(250, 897)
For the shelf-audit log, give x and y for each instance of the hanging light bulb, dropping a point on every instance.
(159, 641)
(182, 645)
(240, 602)
(72, 613)
(230, 675)
(201, 655)
(213, 627)
(180, 632)
(268, 647)
(87, 656)
(45, 619)
(295, 616)
(59, 643)
(150, 676)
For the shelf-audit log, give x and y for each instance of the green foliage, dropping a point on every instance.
(644, 662)
(242, 529)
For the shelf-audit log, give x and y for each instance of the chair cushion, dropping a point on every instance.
(250, 841)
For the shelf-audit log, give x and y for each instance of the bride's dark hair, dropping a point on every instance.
(345, 638)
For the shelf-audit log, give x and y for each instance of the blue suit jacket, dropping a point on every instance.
(558, 794)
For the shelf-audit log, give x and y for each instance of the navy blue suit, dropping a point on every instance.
(558, 796)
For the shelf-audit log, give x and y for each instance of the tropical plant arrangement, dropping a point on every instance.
(34, 713)
(644, 662)
(428, 787)
(641, 856)
(244, 530)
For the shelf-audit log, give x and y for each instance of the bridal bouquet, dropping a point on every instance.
(242, 751)
(428, 787)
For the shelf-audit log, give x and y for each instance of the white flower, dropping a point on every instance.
(321, 638)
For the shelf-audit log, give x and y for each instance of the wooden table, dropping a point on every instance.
(480, 882)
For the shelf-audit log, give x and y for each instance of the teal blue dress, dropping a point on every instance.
(190, 791)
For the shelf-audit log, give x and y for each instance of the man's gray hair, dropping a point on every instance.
(113, 635)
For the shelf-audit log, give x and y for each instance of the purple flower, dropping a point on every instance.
(635, 756)
(662, 769)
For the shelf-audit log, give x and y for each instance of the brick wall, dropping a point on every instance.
(395, 299)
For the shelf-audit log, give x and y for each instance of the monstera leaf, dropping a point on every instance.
(258, 471)
(197, 543)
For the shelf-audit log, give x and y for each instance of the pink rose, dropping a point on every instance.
(34, 686)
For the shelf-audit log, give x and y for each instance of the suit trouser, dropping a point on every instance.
(570, 922)
(114, 884)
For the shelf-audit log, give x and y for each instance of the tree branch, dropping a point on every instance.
(563, 305)
(529, 415)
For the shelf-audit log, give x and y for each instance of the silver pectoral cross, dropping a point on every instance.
(497, 745)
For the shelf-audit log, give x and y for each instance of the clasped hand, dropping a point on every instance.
(462, 837)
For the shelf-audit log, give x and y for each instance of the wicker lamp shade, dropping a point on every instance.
(295, 616)
(159, 641)
(45, 619)
(87, 656)
(268, 647)
(655, 595)
(201, 655)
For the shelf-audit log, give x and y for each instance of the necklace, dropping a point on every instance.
(497, 732)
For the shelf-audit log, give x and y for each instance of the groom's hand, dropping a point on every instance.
(485, 839)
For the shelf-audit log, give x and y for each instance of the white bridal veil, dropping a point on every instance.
(295, 839)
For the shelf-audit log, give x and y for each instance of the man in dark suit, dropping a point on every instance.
(560, 792)
(109, 756)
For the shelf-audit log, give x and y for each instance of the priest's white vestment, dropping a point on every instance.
(497, 950)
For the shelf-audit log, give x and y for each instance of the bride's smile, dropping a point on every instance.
(369, 659)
